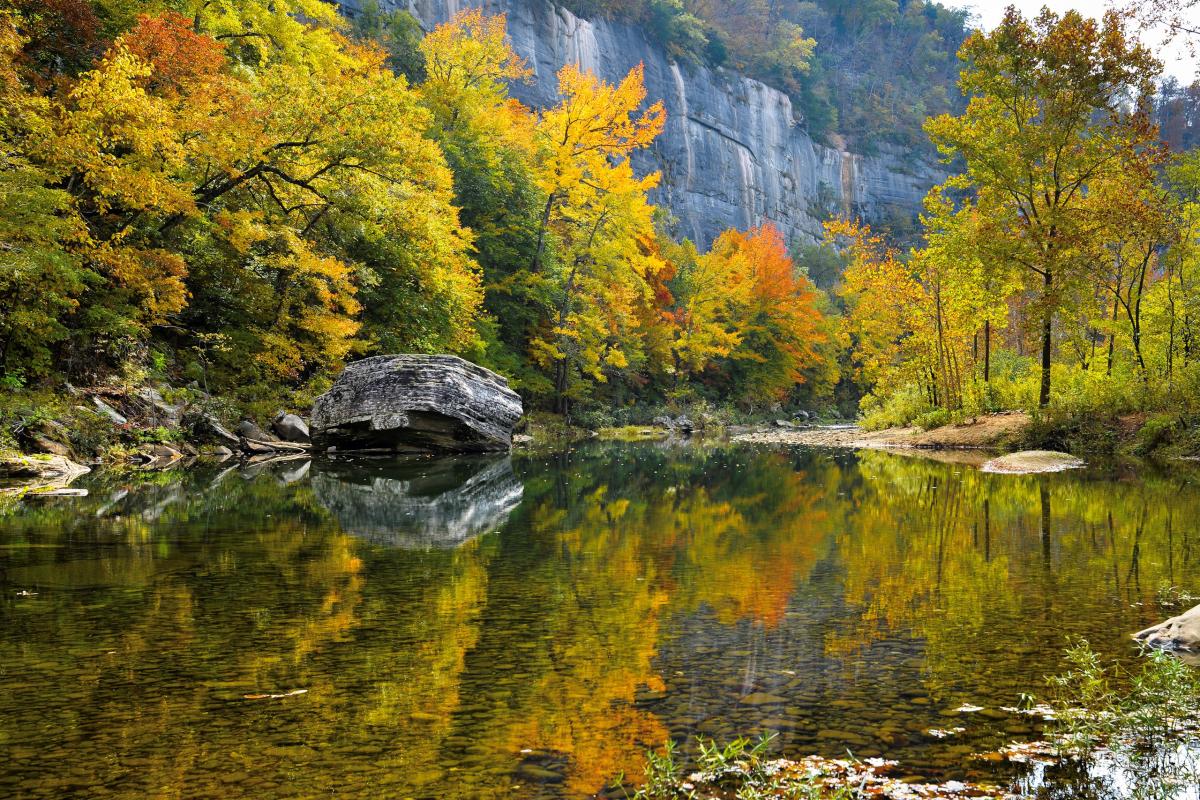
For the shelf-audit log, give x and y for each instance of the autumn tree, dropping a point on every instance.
(1048, 117)
(41, 279)
(488, 141)
(601, 221)
(707, 291)
(889, 340)
(595, 126)
(777, 320)
(1139, 223)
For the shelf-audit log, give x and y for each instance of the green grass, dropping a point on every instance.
(632, 433)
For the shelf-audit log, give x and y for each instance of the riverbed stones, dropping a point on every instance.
(1177, 633)
(416, 403)
(1029, 462)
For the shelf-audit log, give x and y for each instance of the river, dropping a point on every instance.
(527, 627)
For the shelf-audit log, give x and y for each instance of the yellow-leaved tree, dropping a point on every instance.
(601, 222)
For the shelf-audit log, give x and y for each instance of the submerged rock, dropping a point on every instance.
(413, 403)
(1028, 462)
(1177, 633)
(419, 503)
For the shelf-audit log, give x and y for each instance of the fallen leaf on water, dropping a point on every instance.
(1044, 711)
(279, 696)
(1025, 753)
(938, 733)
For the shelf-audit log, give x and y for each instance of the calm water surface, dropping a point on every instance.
(526, 628)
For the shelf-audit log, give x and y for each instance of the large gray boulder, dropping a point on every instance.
(1177, 633)
(413, 403)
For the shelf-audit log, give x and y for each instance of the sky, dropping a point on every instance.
(1176, 58)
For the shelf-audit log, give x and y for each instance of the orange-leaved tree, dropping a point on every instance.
(782, 332)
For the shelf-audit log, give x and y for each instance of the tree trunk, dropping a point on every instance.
(1047, 344)
(987, 351)
(561, 405)
(541, 240)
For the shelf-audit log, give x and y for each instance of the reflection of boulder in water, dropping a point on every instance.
(419, 503)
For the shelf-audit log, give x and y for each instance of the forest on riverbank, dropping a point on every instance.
(238, 198)
(243, 197)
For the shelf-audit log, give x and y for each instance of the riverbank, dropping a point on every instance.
(994, 432)
(1164, 437)
(157, 426)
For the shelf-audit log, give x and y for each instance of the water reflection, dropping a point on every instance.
(417, 503)
(490, 629)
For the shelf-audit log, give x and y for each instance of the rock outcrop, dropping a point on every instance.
(414, 403)
(1177, 633)
(419, 503)
(732, 153)
(39, 476)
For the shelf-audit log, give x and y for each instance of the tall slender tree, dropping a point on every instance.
(1053, 109)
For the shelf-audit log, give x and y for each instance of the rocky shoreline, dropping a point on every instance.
(991, 432)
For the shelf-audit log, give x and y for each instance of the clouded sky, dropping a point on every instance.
(1176, 58)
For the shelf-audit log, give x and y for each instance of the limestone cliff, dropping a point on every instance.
(732, 153)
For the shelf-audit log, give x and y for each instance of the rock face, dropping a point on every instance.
(732, 154)
(411, 403)
(420, 504)
(1177, 633)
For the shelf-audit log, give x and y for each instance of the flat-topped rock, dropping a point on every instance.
(416, 403)
(40, 467)
(1029, 462)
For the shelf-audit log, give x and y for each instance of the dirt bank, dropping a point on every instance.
(990, 432)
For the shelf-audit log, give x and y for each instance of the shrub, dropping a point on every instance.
(903, 407)
(1158, 430)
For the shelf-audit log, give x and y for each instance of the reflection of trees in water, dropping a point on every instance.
(970, 561)
(549, 634)
(199, 596)
(417, 503)
(616, 547)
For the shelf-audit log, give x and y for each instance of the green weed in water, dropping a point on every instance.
(1097, 704)
(738, 770)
